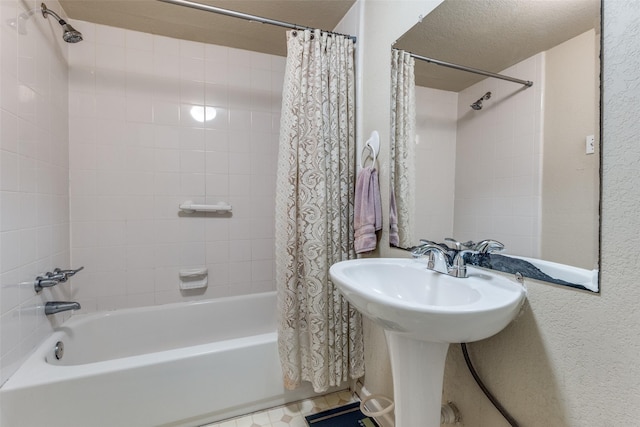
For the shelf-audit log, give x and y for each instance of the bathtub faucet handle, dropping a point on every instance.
(48, 280)
(67, 273)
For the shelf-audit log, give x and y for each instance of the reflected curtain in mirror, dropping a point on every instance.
(319, 334)
(403, 120)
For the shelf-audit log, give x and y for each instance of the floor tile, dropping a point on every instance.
(290, 415)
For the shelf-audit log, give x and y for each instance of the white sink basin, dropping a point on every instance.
(403, 296)
(422, 312)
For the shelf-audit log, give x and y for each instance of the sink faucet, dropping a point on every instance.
(53, 307)
(452, 260)
(453, 266)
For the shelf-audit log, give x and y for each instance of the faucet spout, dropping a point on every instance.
(449, 261)
(432, 249)
(53, 307)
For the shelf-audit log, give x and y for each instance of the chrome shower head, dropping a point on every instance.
(69, 34)
(478, 104)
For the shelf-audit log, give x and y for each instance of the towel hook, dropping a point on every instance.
(373, 155)
(373, 144)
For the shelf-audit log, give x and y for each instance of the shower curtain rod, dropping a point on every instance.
(527, 83)
(247, 17)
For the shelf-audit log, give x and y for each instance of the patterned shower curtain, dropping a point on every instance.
(319, 334)
(403, 123)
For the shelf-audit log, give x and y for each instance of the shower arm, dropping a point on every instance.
(46, 11)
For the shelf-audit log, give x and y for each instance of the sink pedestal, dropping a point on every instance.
(422, 312)
(418, 371)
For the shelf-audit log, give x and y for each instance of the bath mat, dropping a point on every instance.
(342, 416)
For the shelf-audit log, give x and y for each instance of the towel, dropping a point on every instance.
(394, 238)
(367, 217)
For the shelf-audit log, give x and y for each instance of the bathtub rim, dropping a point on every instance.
(36, 370)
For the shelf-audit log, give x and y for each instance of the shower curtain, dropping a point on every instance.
(319, 334)
(403, 121)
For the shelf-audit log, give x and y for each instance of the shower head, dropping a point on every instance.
(69, 34)
(478, 104)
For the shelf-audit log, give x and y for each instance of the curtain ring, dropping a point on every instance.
(294, 33)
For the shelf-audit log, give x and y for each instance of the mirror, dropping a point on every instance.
(498, 160)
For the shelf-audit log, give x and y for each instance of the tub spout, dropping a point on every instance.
(53, 307)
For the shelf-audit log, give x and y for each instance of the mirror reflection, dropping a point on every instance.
(494, 159)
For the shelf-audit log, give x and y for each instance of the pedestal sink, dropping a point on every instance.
(422, 312)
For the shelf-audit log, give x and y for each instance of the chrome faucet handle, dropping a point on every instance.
(60, 277)
(67, 273)
(427, 245)
(432, 243)
(46, 281)
(459, 265)
(428, 242)
(488, 246)
(459, 245)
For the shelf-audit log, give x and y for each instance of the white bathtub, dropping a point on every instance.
(184, 364)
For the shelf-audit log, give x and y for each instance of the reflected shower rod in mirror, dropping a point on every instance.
(526, 83)
(247, 17)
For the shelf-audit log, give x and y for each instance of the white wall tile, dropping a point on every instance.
(137, 152)
(501, 139)
(166, 65)
(190, 49)
(110, 57)
(34, 214)
(139, 109)
(166, 183)
(135, 40)
(239, 141)
(192, 68)
(191, 90)
(166, 112)
(193, 185)
(216, 71)
(109, 35)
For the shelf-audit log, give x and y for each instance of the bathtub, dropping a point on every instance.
(184, 364)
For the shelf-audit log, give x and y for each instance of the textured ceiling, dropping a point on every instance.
(487, 34)
(155, 17)
(492, 35)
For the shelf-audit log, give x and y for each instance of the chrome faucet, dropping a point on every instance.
(488, 246)
(453, 266)
(53, 307)
(67, 273)
(451, 260)
(49, 279)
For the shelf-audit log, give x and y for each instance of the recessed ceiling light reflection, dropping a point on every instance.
(202, 114)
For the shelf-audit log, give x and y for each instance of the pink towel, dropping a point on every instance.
(394, 238)
(367, 217)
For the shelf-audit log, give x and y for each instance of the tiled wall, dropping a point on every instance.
(498, 161)
(490, 159)
(34, 202)
(136, 153)
(436, 124)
